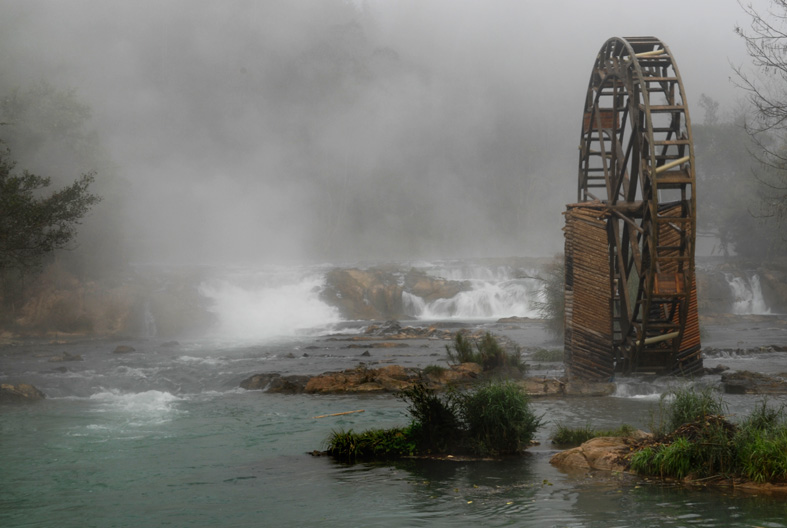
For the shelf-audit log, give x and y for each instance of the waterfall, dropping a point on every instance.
(497, 291)
(149, 328)
(746, 294)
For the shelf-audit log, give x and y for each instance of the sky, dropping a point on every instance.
(277, 131)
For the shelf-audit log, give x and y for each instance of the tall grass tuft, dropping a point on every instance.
(487, 352)
(498, 419)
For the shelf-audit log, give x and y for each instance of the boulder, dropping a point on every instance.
(431, 288)
(65, 356)
(745, 382)
(123, 349)
(275, 383)
(607, 453)
(20, 393)
(363, 294)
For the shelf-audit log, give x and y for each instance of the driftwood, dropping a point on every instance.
(338, 414)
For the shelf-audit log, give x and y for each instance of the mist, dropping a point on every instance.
(317, 130)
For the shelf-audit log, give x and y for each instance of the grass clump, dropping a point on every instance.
(705, 445)
(494, 419)
(486, 352)
(570, 437)
(377, 444)
(498, 419)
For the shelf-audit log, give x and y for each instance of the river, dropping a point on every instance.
(163, 436)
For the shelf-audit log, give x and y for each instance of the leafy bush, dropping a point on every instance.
(495, 419)
(498, 419)
(547, 355)
(374, 444)
(488, 353)
(710, 446)
(436, 426)
(435, 370)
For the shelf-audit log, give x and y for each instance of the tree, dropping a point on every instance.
(766, 44)
(33, 224)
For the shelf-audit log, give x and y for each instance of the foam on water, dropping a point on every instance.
(151, 406)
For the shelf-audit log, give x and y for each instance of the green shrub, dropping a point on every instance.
(498, 419)
(764, 458)
(495, 419)
(710, 446)
(436, 427)
(463, 350)
(434, 370)
(547, 356)
(488, 353)
(374, 444)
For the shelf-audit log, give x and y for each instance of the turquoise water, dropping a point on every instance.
(163, 437)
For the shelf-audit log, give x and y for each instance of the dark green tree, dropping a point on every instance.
(32, 223)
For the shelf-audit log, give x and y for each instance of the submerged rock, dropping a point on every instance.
(65, 356)
(745, 382)
(20, 393)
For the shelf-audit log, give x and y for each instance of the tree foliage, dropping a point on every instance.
(33, 224)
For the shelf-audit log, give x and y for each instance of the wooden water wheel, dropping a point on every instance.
(630, 294)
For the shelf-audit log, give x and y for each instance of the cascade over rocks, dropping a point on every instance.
(376, 294)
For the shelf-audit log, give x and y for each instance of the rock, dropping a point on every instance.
(363, 294)
(538, 386)
(384, 344)
(385, 329)
(604, 453)
(430, 288)
(65, 357)
(718, 369)
(275, 383)
(20, 393)
(170, 344)
(589, 388)
(745, 382)
(366, 354)
(123, 349)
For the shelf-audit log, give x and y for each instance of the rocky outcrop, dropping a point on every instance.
(361, 379)
(745, 382)
(20, 393)
(430, 288)
(57, 303)
(606, 453)
(541, 386)
(376, 294)
(363, 294)
(275, 383)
